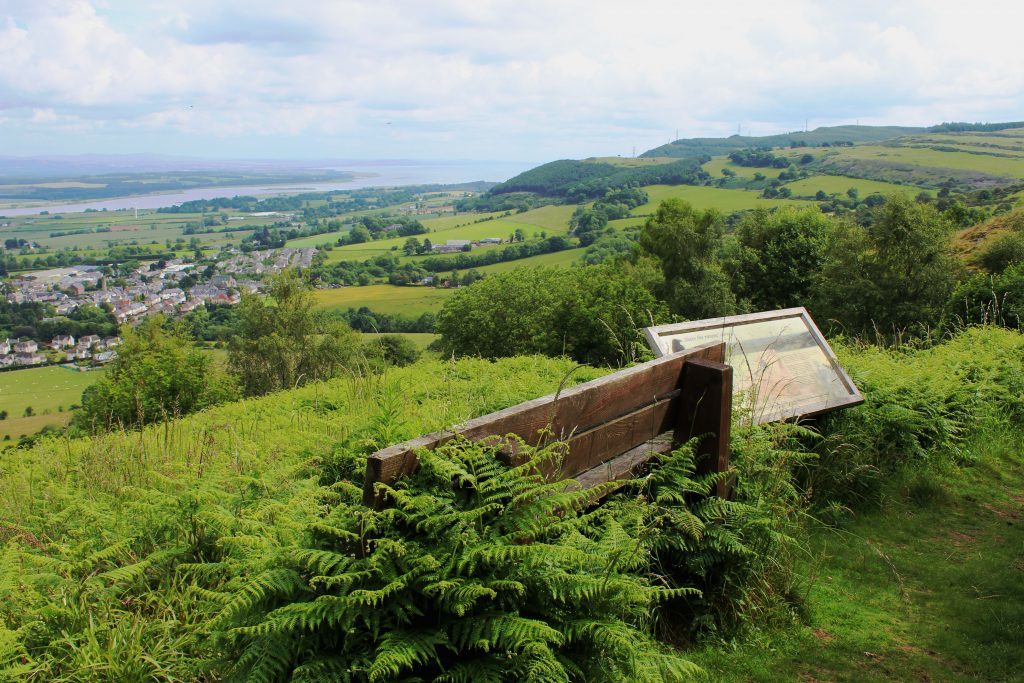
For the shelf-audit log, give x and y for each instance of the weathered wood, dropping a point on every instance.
(706, 410)
(569, 414)
(626, 465)
(595, 446)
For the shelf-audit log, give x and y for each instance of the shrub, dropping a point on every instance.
(478, 572)
(1003, 252)
(591, 314)
(989, 299)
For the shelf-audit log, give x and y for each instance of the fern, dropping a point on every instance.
(478, 571)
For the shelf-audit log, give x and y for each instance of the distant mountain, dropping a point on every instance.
(695, 147)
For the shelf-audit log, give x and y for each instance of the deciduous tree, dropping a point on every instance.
(283, 342)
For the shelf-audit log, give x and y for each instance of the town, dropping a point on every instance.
(173, 288)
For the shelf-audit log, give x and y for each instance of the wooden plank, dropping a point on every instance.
(595, 446)
(562, 414)
(626, 465)
(706, 409)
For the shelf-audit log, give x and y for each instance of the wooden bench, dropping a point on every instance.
(612, 425)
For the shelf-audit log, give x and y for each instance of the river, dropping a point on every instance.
(371, 174)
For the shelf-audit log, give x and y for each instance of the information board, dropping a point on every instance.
(782, 366)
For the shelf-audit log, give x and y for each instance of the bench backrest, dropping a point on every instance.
(611, 424)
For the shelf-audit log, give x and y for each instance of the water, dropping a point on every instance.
(384, 174)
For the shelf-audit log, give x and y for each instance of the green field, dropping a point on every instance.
(550, 219)
(421, 339)
(917, 157)
(711, 198)
(837, 184)
(715, 166)
(50, 391)
(556, 259)
(407, 301)
(150, 229)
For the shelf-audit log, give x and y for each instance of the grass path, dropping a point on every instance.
(930, 589)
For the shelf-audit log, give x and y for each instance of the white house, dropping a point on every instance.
(62, 341)
(26, 347)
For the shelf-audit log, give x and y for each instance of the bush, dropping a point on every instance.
(989, 299)
(1003, 252)
(893, 277)
(479, 571)
(920, 407)
(393, 349)
(156, 375)
(591, 314)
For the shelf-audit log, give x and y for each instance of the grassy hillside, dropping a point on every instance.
(695, 147)
(573, 179)
(970, 242)
(833, 184)
(925, 582)
(725, 200)
(969, 160)
(916, 578)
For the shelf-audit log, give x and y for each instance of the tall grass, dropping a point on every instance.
(117, 551)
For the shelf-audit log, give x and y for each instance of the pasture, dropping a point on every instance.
(50, 392)
(837, 184)
(550, 219)
(407, 301)
(421, 339)
(923, 158)
(123, 228)
(724, 200)
(556, 259)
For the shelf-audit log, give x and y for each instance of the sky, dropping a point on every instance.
(522, 80)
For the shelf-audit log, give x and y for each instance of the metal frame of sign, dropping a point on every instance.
(854, 397)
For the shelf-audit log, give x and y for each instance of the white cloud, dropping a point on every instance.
(470, 78)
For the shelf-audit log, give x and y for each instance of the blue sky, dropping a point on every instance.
(524, 80)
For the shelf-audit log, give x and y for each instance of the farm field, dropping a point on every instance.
(408, 301)
(421, 339)
(711, 198)
(564, 258)
(47, 390)
(837, 184)
(550, 219)
(933, 158)
(715, 166)
(124, 227)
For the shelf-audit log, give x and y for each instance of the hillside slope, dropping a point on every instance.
(694, 147)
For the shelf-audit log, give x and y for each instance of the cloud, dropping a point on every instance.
(459, 78)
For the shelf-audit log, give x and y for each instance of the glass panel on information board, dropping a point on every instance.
(782, 366)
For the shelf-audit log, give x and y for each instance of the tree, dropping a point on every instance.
(686, 243)
(894, 276)
(393, 349)
(776, 257)
(28, 411)
(591, 314)
(282, 342)
(412, 246)
(358, 235)
(157, 374)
